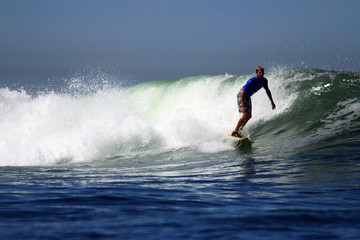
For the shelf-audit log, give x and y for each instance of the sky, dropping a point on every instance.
(146, 40)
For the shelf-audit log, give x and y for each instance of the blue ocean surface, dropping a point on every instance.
(151, 161)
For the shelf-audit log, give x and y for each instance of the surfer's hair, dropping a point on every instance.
(259, 68)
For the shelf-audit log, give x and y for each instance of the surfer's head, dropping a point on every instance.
(260, 72)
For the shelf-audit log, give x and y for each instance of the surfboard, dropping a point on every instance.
(239, 142)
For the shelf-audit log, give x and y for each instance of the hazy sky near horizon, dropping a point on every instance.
(166, 39)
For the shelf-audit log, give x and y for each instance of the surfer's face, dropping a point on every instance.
(260, 74)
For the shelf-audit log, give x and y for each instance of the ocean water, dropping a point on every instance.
(151, 161)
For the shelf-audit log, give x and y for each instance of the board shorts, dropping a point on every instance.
(247, 102)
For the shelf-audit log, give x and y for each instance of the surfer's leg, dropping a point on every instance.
(242, 122)
(246, 111)
(246, 118)
(235, 133)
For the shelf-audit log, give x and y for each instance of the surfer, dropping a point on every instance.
(244, 98)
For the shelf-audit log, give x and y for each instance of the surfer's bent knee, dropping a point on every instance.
(248, 116)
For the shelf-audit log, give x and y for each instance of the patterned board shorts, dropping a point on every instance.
(247, 102)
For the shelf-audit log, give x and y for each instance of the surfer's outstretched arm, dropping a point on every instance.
(270, 97)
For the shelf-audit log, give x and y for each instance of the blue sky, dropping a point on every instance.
(167, 39)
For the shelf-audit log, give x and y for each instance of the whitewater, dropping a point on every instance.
(151, 161)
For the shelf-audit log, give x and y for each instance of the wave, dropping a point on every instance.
(161, 116)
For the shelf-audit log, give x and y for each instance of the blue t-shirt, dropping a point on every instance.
(254, 84)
